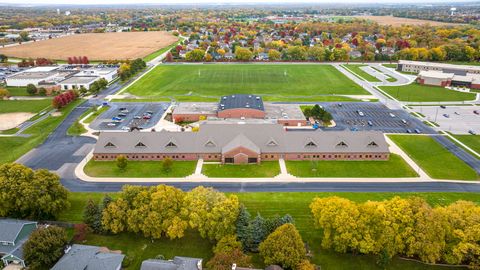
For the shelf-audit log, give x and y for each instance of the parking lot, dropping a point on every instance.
(455, 119)
(376, 116)
(125, 115)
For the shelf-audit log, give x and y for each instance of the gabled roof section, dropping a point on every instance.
(341, 144)
(238, 141)
(210, 143)
(140, 144)
(10, 229)
(83, 257)
(171, 143)
(372, 144)
(272, 142)
(110, 145)
(310, 143)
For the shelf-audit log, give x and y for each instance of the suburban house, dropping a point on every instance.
(13, 234)
(242, 143)
(83, 257)
(240, 106)
(178, 263)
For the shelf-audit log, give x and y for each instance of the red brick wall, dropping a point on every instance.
(292, 122)
(336, 156)
(476, 86)
(241, 112)
(188, 117)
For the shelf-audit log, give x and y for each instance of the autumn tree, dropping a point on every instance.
(195, 55)
(284, 247)
(211, 212)
(225, 260)
(226, 244)
(4, 93)
(243, 54)
(44, 247)
(274, 55)
(122, 162)
(31, 89)
(167, 164)
(31, 194)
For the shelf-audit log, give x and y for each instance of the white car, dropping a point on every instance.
(392, 115)
(112, 124)
(125, 128)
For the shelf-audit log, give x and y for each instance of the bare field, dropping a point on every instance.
(396, 21)
(101, 46)
(12, 120)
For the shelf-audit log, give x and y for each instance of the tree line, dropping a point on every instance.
(406, 227)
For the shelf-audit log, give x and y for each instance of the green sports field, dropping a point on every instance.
(287, 82)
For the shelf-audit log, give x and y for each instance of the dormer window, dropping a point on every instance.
(171, 144)
(310, 144)
(372, 144)
(210, 144)
(110, 145)
(272, 143)
(342, 144)
(140, 144)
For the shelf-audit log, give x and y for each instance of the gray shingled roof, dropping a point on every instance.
(241, 101)
(268, 138)
(83, 257)
(10, 228)
(178, 263)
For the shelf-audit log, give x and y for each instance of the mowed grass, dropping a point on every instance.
(390, 65)
(356, 69)
(32, 106)
(394, 167)
(472, 141)
(139, 169)
(418, 93)
(268, 204)
(264, 169)
(288, 82)
(17, 91)
(12, 148)
(433, 158)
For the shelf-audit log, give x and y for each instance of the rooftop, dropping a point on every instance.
(196, 108)
(440, 65)
(241, 101)
(80, 80)
(178, 263)
(283, 111)
(83, 257)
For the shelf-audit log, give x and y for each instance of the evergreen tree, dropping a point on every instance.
(243, 220)
(92, 216)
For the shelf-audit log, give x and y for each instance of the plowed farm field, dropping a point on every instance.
(96, 46)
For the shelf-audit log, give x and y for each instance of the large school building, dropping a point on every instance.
(242, 144)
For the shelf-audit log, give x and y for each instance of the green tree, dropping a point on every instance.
(243, 54)
(31, 194)
(284, 247)
(24, 36)
(92, 216)
(212, 213)
(167, 164)
(31, 89)
(122, 162)
(44, 247)
(316, 53)
(296, 53)
(3, 58)
(243, 220)
(227, 244)
(195, 55)
(42, 91)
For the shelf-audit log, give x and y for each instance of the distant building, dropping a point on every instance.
(178, 263)
(240, 106)
(242, 143)
(82, 257)
(417, 66)
(13, 234)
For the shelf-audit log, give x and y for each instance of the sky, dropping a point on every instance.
(109, 2)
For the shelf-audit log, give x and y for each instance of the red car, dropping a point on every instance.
(147, 117)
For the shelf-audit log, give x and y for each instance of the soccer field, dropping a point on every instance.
(279, 82)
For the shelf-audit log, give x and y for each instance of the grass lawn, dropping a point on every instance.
(265, 169)
(159, 52)
(288, 82)
(356, 68)
(268, 204)
(390, 65)
(416, 92)
(472, 141)
(32, 106)
(17, 91)
(95, 114)
(434, 159)
(139, 169)
(9, 131)
(76, 129)
(11, 148)
(394, 167)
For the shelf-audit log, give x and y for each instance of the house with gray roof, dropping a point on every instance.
(178, 263)
(13, 234)
(243, 143)
(83, 257)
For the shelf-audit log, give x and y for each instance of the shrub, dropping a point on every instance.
(122, 162)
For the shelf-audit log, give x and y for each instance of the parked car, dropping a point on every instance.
(417, 131)
(404, 121)
(370, 123)
(472, 132)
(147, 117)
(137, 117)
(122, 109)
(340, 104)
(116, 118)
(112, 124)
(409, 130)
(125, 128)
(443, 106)
(446, 115)
(361, 113)
(476, 112)
(149, 112)
(122, 115)
(391, 115)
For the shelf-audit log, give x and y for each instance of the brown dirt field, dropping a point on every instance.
(396, 21)
(12, 120)
(96, 46)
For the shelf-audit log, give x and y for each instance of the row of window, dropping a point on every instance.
(340, 156)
